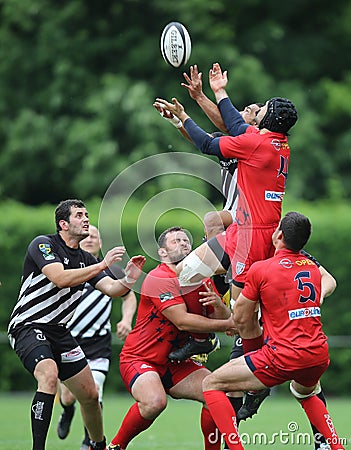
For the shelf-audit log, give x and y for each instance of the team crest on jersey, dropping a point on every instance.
(46, 251)
(239, 269)
(166, 296)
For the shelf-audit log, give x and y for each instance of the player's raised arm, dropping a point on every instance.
(194, 87)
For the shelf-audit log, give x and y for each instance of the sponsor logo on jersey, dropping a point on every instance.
(278, 145)
(40, 335)
(166, 296)
(304, 262)
(304, 313)
(239, 268)
(46, 251)
(65, 261)
(73, 355)
(273, 196)
(286, 263)
(145, 366)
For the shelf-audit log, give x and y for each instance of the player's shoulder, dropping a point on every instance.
(42, 242)
(162, 271)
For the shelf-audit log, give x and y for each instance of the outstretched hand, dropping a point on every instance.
(114, 255)
(134, 268)
(175, 108)
(194, 85)
(218, 79)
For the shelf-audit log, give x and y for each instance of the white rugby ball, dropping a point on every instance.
(175, 44)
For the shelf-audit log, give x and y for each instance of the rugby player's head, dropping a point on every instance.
(281, 115)
(296, 229)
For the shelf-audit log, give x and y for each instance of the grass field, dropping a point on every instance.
(178, 427)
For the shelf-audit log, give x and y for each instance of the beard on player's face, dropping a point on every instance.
(176, 256)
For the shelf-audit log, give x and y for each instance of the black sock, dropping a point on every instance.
(67, 408)
(220, 283)
(237, 403)
(41, 412)
(86, 439)
(98, 445)
(318, 437)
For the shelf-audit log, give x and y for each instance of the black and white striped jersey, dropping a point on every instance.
(92, 316)
(41, 301)
(229, 184)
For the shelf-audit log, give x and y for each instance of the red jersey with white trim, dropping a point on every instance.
(263, 160)
(288, 287)
(154, 336)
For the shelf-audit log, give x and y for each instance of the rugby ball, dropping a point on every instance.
(175, 44)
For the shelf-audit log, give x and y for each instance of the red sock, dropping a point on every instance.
(224, 416)
(212, 437)
(133, 424)
(320, 418)
(249, 345)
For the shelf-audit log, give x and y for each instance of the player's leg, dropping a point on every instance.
(233, 376)
(34, 350)
(151, 400)
(316, 412)
(236, 398)
(199, 264)
(46, 374)
(253, 399)
(83, 387)
(188, 379)
(99, 378)
(67, 401)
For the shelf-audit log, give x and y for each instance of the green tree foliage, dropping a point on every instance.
(78, 78)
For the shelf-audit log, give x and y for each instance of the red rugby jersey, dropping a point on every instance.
(263, 160)
(154, 336)
(288, 287)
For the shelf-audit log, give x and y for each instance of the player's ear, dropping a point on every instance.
(162, 252)
(64, 225)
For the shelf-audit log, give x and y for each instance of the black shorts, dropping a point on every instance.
(237, 349)
(33, 343)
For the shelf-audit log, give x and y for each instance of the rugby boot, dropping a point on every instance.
(252, 402)
(193, 347)
(65, 421)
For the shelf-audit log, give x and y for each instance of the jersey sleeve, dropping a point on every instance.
(240, 147)
(42, 252)
(89, 261)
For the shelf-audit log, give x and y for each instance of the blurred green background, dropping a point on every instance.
(77, 83)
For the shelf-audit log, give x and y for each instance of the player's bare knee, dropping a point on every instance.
(153, 406)
(213, 224)
(46, 374)
(208, 383)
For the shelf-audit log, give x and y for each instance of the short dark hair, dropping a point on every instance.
(163, 236)
(63, 210)
(296, 230)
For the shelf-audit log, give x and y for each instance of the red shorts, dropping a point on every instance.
(246, 245)
(261, 363)
(170, 374)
